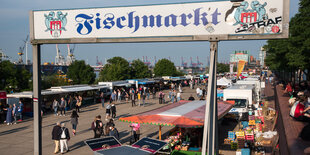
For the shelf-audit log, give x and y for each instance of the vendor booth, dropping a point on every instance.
(3, 98)
(223, 82)
(110, 145)
(187, 118)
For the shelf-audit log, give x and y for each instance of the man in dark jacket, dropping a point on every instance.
(56, 136)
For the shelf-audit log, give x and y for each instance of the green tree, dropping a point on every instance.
(164, 67)
(7, 73)
(53, 80)
(13, 78)
(80, 73)
(23, 79)
(117, 68)
(221, 68)
(140, 70)
(292, 53)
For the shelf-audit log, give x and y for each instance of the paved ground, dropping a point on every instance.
(18, 139)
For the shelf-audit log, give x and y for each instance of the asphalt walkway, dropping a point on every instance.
(18, 139)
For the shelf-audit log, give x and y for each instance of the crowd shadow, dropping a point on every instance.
(125, 134)
(53, 124)
(83, 131)
(13, 130)
(77, 145)
(88, 110)
(149, 104)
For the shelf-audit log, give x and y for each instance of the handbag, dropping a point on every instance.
(79, 103)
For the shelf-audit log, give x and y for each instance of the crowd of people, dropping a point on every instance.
(14, 112)
(105, 126)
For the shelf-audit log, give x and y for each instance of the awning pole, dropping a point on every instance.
(159, 133)
(210, 133)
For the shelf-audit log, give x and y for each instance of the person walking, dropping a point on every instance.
(180, 88)
(70, 102)
(20, 110)
(98, 127)
(78, 103)
(136, 131)
(143, 98)
(56, 136)
(174, 96)
(9, 115)
(55, 107)
(160, 97)
(108, 112)
(63, 105)
(64, 138)
(178, 96)
(102, 99)
(148, 91)
(132, 97)
(113, 111)
(107, 127)
(114, 132)
(14, 113)
(74, 121)
(139, 98)
(154, 92)
(119, 96)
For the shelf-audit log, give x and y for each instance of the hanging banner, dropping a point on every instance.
(231, 68)
(212, 18)
(241, 65)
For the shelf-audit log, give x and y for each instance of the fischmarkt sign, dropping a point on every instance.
(248, 19)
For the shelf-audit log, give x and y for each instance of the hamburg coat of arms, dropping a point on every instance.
(55, 23)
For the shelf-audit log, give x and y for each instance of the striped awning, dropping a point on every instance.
(182, 114)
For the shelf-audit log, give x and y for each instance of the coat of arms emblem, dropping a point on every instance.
(55, 24)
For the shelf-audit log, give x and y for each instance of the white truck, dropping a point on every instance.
(244, 97)
(256, 83)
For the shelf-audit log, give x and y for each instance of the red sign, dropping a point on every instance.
(3, 95)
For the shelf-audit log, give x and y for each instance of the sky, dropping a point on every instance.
(14, 27)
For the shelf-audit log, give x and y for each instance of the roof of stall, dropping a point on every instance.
(183, 114)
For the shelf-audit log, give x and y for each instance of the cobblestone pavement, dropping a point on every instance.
(18, 139)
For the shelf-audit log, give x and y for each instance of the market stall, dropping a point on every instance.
(187, 118)
(110, 145)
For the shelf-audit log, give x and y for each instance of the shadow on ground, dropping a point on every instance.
(13, 130)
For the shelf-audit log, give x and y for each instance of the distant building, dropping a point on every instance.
(239, 55)
(262, 56)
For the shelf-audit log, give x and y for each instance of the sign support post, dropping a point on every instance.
(210, 133)
(37, 120)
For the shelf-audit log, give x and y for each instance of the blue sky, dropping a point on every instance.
(14, 27)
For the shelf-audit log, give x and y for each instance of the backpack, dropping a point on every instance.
(63, 134)
(93, 125)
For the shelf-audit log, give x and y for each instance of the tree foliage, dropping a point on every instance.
(117, 68)
(53, 80)
(13, 77)
(164, 67)
(221, 67)
(294, 52)
(80, 73)
(140, 70)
